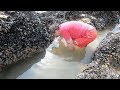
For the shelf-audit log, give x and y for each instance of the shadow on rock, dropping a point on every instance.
(17, 69)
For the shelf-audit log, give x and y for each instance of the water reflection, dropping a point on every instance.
(64, 52)
(52, 67)
(20, 67)
(55, 63)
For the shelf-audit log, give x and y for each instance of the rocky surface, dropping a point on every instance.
(106, 59)
(101, 72)
(99, 19)
(23, 33)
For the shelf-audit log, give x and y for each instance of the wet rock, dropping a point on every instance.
(22, 34)
(56, 16)
(106, 59)
(100, 19)
(102, 72)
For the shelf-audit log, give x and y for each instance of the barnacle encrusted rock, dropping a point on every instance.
(100, 19)
(22, 34)
(106, 59)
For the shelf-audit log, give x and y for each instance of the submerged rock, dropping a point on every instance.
(106, 59)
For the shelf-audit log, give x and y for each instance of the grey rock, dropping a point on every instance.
(24, 33)
(106, 59)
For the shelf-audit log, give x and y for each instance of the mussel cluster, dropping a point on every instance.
(22, 33)
(100, 19)
(106, 59)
